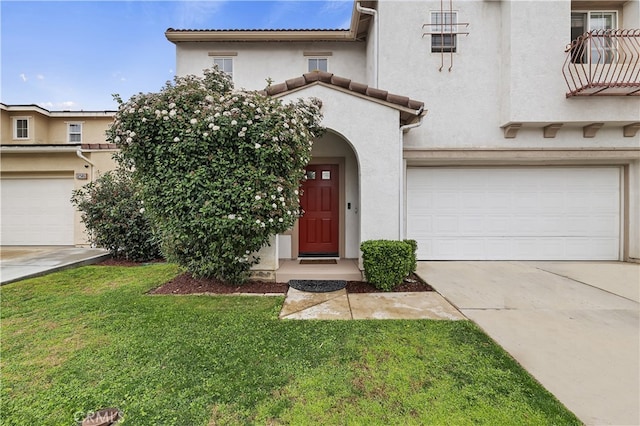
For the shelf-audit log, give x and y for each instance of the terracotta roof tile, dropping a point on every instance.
(345, 83)
(229, 30)
(99, 146)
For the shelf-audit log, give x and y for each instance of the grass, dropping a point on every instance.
(89, 338)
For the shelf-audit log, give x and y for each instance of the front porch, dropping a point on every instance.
(342, 269)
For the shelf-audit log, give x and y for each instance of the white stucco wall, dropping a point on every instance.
(372, 130)
(280, 61)
(508, 69)
(634, 211)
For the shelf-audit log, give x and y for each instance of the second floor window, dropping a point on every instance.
(21, 128)
(317, 64)
(443, 31)
(224, 64)
(75, 132)
(601, 48)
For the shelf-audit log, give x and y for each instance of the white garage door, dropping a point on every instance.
(527, 213)
(37, 212)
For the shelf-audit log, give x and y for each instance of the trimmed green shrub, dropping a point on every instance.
(414, 249)
(386, 262)
(113, 214)
(220, 169)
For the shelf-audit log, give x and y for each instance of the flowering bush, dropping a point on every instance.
(113, 213)
(220, 169)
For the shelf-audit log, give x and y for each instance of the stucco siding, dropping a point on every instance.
(254, 62)
(508, 69)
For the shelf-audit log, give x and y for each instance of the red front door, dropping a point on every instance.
(319, 231)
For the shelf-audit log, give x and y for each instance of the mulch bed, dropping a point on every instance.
(186, 284)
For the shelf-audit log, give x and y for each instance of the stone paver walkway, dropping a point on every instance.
(338, 305)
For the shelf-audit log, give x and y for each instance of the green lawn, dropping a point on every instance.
(90, 338)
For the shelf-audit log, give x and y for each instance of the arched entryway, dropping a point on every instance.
(330, 226)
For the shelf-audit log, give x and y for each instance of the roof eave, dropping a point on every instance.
(178, 36)
(407, 115)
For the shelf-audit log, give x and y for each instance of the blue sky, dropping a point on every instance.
(73, 55)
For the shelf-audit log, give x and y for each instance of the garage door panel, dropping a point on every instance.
(37, 212)
(534, 213)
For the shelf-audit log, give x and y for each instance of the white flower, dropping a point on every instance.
(275, 139)
(234, 122)
(176, 139)
(249, 122)
(129, 140)
(295, 192)
(281, 198)
(216, 128)
(270, 220)
(258, 197)
(258, 221)
(273, 197)
(241, 134)
(288, 211)
(274, 205)
(144, 119)
(172, 105)
(205, 135)
(165, 112)
(172, 113)
(165, 118)
(244, 129)
(193, 121)
(231, 216)
(281, 220)
(285, 125)
(117, 139)
(142, 210)
(280, 189)
(247, 252)
(257, 145)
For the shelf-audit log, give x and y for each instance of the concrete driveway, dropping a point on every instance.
(20, 262)
(575, 326)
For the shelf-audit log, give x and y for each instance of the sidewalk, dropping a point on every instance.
(20, 262)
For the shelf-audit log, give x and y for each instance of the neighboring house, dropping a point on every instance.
(45, 155)
(530, 149)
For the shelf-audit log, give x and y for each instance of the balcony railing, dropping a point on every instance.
(604, 63)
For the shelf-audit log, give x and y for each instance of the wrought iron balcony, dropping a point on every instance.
(604, 63)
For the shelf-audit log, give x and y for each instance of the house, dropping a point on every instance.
(45, 155)
(484, 129)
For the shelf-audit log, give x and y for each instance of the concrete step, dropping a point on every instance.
(344, 269)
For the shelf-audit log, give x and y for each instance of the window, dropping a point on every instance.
(224, 64)
(318, 64)
(443, 31)
(21, 128)
(601, 48)
(75, 132)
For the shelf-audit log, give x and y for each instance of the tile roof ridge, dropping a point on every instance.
(344, 83)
